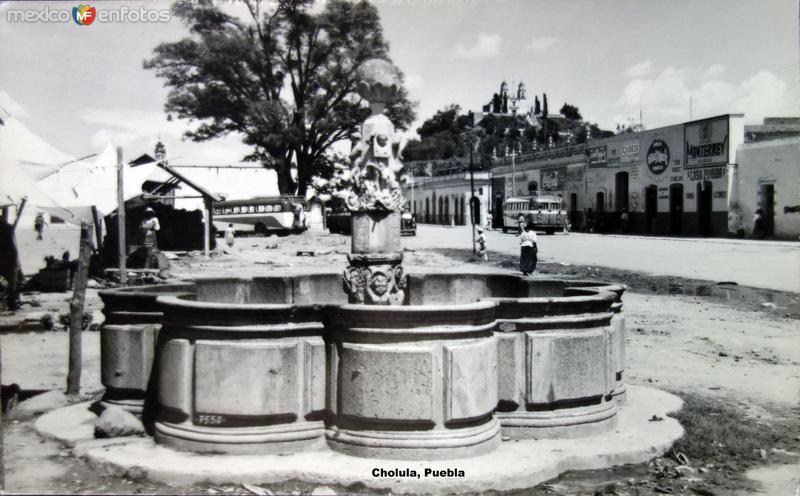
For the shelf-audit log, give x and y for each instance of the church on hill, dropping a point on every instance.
(508, 103)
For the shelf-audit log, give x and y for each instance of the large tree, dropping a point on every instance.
(284, 79)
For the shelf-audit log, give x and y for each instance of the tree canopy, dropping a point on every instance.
(570, 112)
(284, 79)
(445, 134)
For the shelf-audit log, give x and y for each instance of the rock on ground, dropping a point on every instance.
(41, 403)
(116, 422)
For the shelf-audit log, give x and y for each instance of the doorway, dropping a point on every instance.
(650, 208)
(573, 210)
(621, 192)
(768, 206)
(475, 210)
(676, 209)
(704, 195)
(600, 201)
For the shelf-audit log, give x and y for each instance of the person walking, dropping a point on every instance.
(528, 250)
(481, 242)
(230, 235)
(38, 224)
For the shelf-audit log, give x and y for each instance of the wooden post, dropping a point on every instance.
(76, 312)
(98, 232)
(121, 247)
(206, 227)
(19, 210)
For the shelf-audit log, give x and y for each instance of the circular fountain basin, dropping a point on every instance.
(283, 364)
(128, 341)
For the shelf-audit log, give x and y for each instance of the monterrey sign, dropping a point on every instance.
(706, 143)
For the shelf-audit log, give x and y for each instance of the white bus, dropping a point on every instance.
(545, 212)
(262, 215)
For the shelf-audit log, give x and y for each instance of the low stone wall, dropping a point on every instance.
(282, 364)
(128, 341)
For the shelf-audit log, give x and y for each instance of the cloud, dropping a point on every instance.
(139, 123)
(541, 44)
(487, 46)
(103, 137)
(714, 71)
(12, 106)
(640, 70)
(414, 81)
(665, 96)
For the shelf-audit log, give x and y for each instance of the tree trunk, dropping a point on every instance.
(286, 185)
(76, 313)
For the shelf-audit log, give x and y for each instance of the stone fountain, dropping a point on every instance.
(400, 365)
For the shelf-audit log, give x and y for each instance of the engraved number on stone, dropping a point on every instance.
(210, 419)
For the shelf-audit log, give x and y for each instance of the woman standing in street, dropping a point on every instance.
(527, 255)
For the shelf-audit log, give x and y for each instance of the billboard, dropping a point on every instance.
(706, 143)
(598, 156)
(629, 152)
(657, 158)
(554, 178)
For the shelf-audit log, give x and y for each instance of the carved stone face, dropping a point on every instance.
(379, 283)
(382, 140)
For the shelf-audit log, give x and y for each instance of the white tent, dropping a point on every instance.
(32, 153)
(18, 150)
(95, 184)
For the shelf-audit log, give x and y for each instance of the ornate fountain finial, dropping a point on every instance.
(375, 275)
(376, 157)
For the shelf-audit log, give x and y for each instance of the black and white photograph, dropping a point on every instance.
(400, 247)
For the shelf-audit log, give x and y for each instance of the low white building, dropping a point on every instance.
(446, 199)
(767, 177)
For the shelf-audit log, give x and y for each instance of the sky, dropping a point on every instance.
(83, 87)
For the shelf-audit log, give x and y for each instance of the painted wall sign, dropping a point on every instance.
(657, 157)
(554, 178)
(598, 156)
(629, 152)
(707, 174)
(706, 143)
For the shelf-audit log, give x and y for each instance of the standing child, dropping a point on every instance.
(481, 242)
(230, 235)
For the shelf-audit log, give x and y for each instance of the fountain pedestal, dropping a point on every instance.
(375, 275)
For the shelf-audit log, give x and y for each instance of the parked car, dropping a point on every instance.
(408, 225)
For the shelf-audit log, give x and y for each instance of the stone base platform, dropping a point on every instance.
(514, 465)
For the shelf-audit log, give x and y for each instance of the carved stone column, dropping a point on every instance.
(375, 275)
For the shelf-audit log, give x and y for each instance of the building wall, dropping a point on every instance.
(667, 171)
(775, 163)
(456, 190)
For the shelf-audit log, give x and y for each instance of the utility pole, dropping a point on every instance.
(121, 250)
(513, 155)
(472, 190)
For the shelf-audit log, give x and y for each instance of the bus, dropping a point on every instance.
(263, 215)
(545, 212)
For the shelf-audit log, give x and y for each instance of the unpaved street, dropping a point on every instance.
(760, 264)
